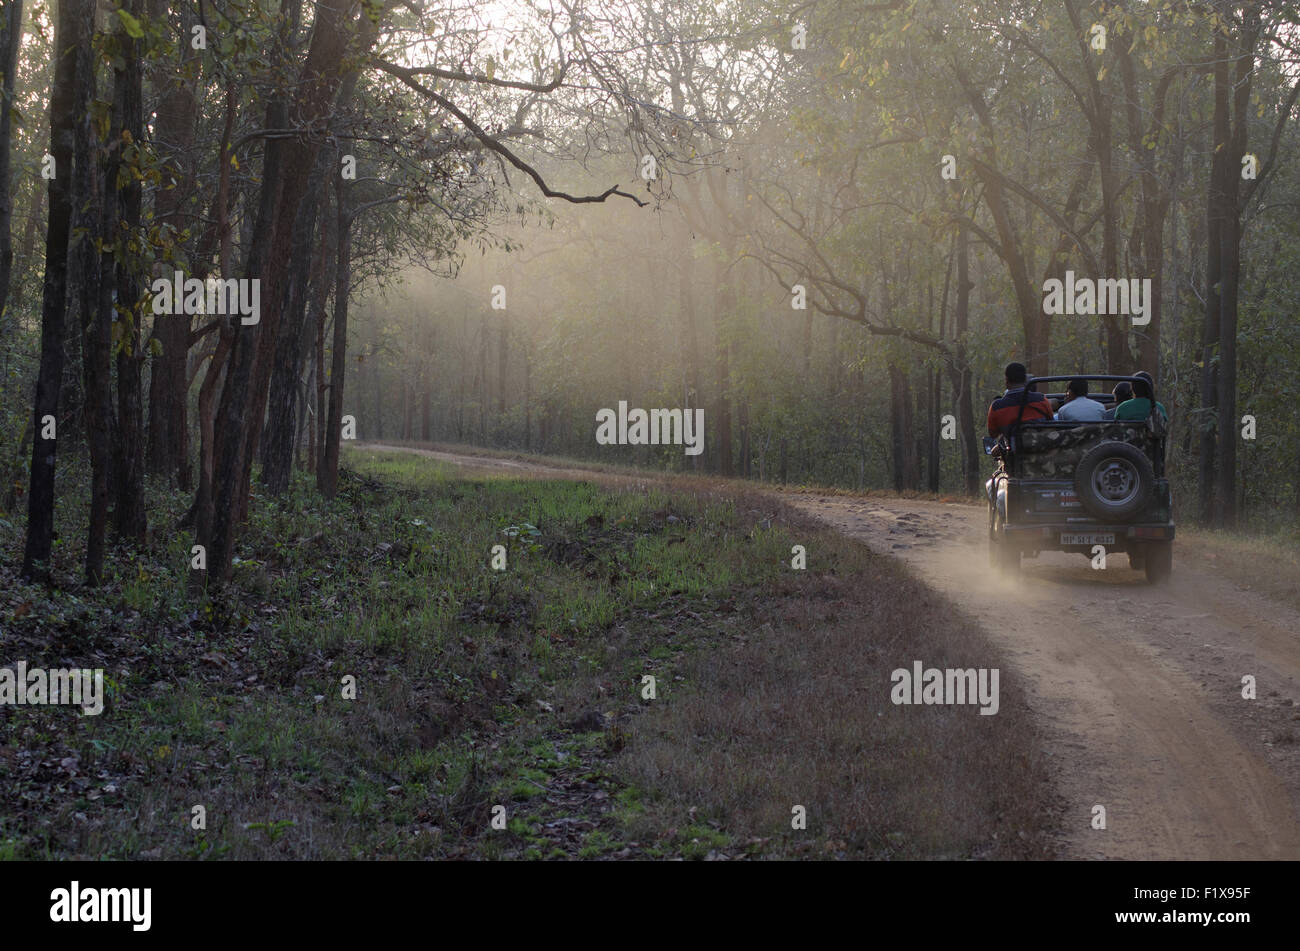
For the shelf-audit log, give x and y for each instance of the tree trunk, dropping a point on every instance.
(897, 438)
(322, 282)
(130, 520)
(503, 358)
(743, 412)
(426, 409)
(463, 365)
(243, 397)
(1234, 147)
(287, 366)
(376, 385)
(70, 34)
(482, 384)
(1035, 324)
(724, 303)
(1148, 229)
(11, 39)
(691, 358)
(328, 478)
(932, 474)
(1119, 358)
(202, 512)
(71, 402)
(96, 214)
(309, 463)
(960, 371)
(932, 407)
(174, 129)
(1210, 336)
(318, 458)
(902, 430)
(911, 438)
(406, 405)
(528, 396)
(286, 370)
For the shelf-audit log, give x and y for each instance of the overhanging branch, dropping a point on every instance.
(406, 76)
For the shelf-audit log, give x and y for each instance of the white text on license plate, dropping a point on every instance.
(1088, 538)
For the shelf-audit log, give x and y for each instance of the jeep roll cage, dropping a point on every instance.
(1108, 377)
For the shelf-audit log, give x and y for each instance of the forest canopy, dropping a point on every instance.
(828, 225)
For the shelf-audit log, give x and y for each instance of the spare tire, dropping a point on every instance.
(1114, 481)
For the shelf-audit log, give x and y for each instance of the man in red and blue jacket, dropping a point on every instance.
(1018, 404)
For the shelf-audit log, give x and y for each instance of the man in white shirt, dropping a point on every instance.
(1078, 408)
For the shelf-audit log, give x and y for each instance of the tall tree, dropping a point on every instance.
(70, 33)
(243, 394)
(1231, 123)
(11, 40)
(327, 477)
(173, 136)
(125, 191)
(95, 216)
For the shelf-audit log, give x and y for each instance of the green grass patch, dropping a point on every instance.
(465, 677)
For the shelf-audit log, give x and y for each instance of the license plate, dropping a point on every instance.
(1050, 500)
(1088, 538)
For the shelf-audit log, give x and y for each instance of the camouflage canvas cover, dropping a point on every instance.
(1053, 452)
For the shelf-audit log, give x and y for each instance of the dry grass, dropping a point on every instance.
(796, 710)
(1270, 565)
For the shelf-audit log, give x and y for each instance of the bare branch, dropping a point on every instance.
(494, 145)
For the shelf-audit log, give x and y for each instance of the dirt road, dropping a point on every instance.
(1139, 687)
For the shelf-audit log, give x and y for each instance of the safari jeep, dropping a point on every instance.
(1071, 486)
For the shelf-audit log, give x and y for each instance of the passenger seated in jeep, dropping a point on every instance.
(1123, 392)
(1078, 408)
(1140, 406)
(1018, 404)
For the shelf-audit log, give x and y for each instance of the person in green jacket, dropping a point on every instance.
(1139, 407)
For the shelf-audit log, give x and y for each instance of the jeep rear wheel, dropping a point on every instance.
(1003, 556)
(1114, 481)
(1158, 560)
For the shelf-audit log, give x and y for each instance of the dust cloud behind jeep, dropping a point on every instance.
(1071, 486)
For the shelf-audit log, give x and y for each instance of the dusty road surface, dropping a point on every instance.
(1139, 687)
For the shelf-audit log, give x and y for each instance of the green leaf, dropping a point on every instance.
(132, 25)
